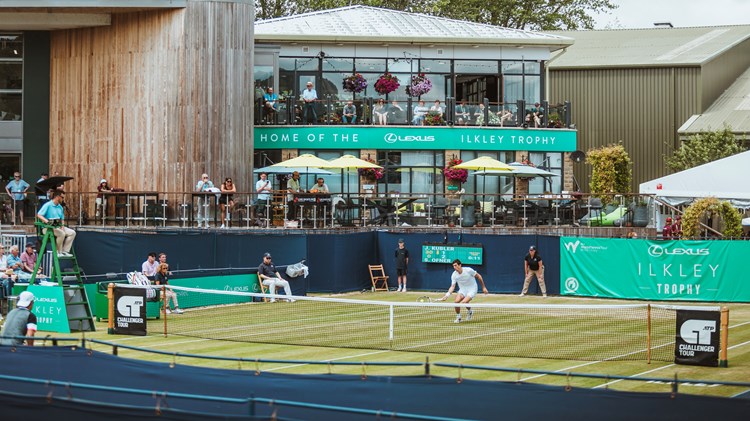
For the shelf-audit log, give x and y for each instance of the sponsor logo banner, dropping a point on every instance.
(654, 270)
(422, 138)
(49, 308)
(130, 311)
(697, 339)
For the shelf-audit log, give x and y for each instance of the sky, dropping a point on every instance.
(681, 13)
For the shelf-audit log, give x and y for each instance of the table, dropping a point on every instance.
(313, 202)
(204, 199)
(124, 202)
(388, 206)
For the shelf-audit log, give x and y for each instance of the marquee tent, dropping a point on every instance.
(724, 178)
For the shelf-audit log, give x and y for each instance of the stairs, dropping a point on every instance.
(67, 274)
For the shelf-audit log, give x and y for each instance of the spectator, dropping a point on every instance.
(28, 261)
(203, 185)
(677, 228)
(163, 260)
(292, 187)
(7, 275)
(21, 322)
(101, 200)
(463, 113)
(402, 264)
(52, 214)
(263, 187)
(505, 115)
(319, 187)
(149, 266)
(13, 261)
(420, 110)
(534, 115)
(666, 232)
(533, 265)
(632, 234)
(380, 112)
(17, 191)
(161, 277)
(396, 113)
(271, 278)
(309, 96)
(270, 105)
(43, 197)
(349, 114)
(226, 201)
(437, 108)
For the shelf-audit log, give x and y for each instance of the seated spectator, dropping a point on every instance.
(420, 110)
(320, 187)
(535, 115)
(380, 113)
(666, 232)
(13, 261)
(52, 213)
(271, 278)
(149, 266)
(505, 115)
(226, 200)
(28, 261)
(349, 114)
(161, 278)
(677, 228)
(463, 113)
(437, 108)
(7, 276)
(101, 200)
(270, 105)
(396, 114)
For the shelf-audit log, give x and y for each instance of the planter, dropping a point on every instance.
(640, 216)
(467, 216)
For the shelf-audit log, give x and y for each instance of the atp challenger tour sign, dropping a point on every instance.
(422, 138)
(654, 270)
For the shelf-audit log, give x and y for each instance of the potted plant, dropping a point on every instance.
(455, 175)
(355, 83)
(386, 84)
(370, 174)
(419, 85)
(433, 119)
(467, 213)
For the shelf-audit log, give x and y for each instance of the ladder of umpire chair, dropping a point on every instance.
(77, 305)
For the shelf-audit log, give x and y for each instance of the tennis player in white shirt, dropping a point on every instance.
(466, 278)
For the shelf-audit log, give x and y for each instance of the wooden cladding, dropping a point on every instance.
(155, 99)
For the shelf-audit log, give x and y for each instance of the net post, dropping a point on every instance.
(390, 323)
(164, 307)
(111, 308)
(427, 366)
(723, 361)
(648, 329)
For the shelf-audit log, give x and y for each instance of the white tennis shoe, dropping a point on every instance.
(458, 319)
(471, 314)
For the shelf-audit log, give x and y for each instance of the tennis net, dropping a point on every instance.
(571, 332)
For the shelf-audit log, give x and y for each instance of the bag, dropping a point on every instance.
(296, 270)
(138, 278)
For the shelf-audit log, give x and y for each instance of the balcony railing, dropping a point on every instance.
(371, 111)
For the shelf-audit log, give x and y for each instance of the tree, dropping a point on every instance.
(520, 14)
(612, 171)
(703, 148)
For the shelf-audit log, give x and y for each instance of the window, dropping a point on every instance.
(552, 162)
(411, 172)
(11, 77)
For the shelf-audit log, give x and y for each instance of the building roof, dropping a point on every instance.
(731, 108)
(653, 47)
(363, 24)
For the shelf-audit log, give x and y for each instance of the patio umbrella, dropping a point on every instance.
(352, 162)
(289, 170)
(484, 163)
(307, 161)
(51, 183)
(519, 170)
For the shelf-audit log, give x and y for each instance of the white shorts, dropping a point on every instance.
(469, 292)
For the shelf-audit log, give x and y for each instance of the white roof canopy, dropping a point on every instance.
(725, 179)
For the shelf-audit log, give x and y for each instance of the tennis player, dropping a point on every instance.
(466, 278)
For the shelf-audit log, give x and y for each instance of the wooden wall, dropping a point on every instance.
(155, 99)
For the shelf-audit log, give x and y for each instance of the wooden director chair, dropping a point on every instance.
(378, 277)
(263, 289)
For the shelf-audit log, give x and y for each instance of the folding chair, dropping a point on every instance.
(378, 277)
(263, 289)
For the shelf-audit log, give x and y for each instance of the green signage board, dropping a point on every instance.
(654, 270)
(414, 138)
(241, 283)
(49, 308)
(445, 253)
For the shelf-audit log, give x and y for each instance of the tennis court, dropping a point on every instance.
(303, 332)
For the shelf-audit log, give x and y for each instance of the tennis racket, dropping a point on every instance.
(428, 299)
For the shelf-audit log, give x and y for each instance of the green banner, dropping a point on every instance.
(654, 270)
(49, 308)
(441, 253)
(241, 283)
(414, 138)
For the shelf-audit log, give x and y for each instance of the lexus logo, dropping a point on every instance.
(390, 138)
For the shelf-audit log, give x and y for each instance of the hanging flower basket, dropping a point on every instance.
(370, 173)
(355, 83)
(386, 84)
(452, 174)
(419, 85)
